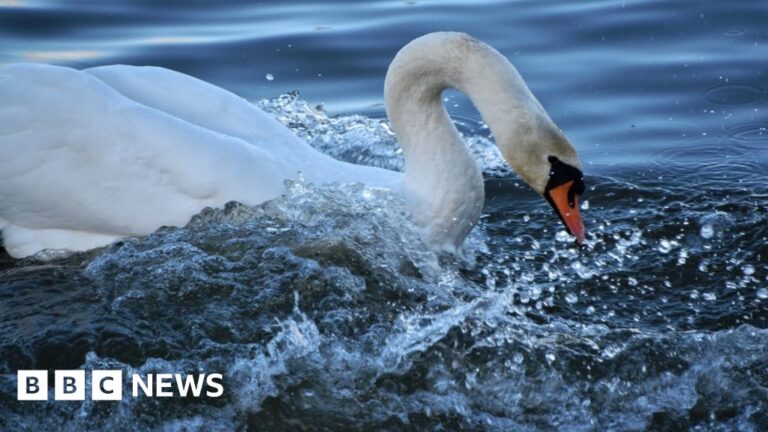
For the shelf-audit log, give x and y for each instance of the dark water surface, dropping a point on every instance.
(324, 310)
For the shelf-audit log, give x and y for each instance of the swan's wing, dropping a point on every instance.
(216, 109)
(205, 105)
(76, 154)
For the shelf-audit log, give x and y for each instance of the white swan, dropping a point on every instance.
(88, 157)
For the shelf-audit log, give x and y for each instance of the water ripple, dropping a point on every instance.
(750, 133)
(734, 94)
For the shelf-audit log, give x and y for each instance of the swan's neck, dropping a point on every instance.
(443, 184)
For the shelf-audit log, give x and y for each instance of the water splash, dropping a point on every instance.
(366, 141)
(323, 308)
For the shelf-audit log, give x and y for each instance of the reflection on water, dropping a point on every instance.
(323, 308)
(169, 40)
(60, 56)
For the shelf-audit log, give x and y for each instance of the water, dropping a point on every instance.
(324, 310)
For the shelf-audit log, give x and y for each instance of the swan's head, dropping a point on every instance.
(527, 138)
(547, 161)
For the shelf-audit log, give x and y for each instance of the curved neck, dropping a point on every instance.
(443, 184)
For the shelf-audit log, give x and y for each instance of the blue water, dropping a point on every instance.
(324, 310)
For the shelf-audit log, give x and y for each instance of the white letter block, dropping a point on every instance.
(69, 385)
(32, 385)
(107, 385)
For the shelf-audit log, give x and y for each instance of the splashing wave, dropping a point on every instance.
(324, 309)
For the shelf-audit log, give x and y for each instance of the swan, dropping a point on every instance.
(91, 156)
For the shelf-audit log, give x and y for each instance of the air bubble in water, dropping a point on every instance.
(707, 231)
(270, 77)
(748, 269)
(585, 205)
(762, 293)
(571, 298)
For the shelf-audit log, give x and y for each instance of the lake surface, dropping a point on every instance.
(325, 311)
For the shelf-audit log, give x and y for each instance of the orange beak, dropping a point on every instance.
(568, 211)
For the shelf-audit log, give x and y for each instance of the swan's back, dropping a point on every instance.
(203, 104)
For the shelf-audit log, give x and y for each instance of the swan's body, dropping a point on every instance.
(88, 157)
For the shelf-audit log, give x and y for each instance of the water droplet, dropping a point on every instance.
(270, 77)
(748, 269)
(583, 271)
(664, 246)
(526, 218)
(571, 298)
(563, 236)
(715, 224)
(611, 351)
(585, 205)
(762, 293)
(524, 297)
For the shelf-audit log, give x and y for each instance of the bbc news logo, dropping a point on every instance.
(107, 385)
